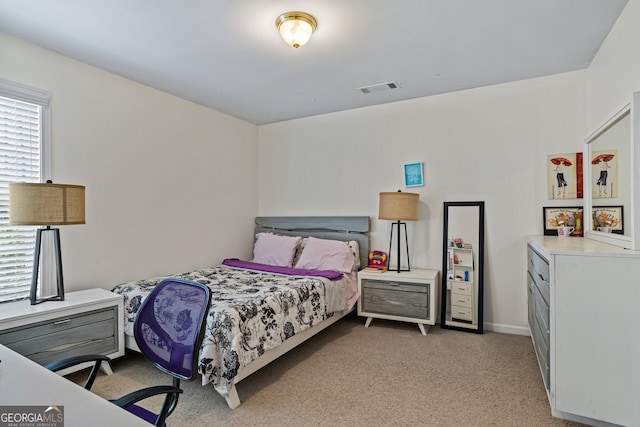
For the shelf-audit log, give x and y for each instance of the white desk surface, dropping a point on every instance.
(23, 382)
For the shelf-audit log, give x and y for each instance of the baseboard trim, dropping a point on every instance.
(507, 329)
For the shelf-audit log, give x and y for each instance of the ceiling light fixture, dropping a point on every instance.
(296, 27)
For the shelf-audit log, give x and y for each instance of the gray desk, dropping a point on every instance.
(25, 383)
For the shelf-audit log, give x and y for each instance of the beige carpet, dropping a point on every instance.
(384, 375)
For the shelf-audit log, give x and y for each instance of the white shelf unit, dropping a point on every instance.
(462, 289)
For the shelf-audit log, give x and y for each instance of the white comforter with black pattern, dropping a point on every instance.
(251, 313)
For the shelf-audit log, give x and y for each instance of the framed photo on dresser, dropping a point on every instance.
(554, 216)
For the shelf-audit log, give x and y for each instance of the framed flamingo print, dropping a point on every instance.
(604, 173)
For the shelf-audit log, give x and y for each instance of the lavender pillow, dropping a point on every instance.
(323, 254)
(273, 249)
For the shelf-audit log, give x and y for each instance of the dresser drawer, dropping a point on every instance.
(531, 300)
(542, 315)
(402, 300)
(542, 352)
(461, 288)
(44, 342)
(538, 267)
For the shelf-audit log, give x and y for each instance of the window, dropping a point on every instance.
(24, 157)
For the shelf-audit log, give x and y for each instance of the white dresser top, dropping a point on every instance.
(554, 245)
(12, 311)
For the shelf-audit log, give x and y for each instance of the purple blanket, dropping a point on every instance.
(235, 262)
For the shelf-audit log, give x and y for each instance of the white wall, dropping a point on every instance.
(614, 73)
(485, 144)
(171, 185)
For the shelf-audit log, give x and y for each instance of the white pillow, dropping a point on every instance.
(355, 249)
(273, 249)
(353, 245)
(324, 254)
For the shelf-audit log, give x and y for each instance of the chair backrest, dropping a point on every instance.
(170, 325)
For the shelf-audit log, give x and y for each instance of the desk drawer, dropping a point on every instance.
(48, 341)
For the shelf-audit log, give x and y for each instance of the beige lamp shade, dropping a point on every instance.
(398, 206)
(46, 204)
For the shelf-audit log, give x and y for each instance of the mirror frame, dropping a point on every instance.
(631, 239)
(479, 303)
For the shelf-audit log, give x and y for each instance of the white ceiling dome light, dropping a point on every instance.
(296, 28)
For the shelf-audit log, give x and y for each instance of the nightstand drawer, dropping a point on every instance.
(394, 286)
(397, 302)
(44, 342)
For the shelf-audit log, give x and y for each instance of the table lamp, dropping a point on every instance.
(46, 204)
(399, 207)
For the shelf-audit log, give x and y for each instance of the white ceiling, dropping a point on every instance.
(228, 54)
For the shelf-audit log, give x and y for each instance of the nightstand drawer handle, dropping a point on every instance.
(59, 322)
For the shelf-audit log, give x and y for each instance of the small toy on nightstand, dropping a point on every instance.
(377, 262)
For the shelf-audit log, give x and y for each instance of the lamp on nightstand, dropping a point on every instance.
(399, 207)
(46, 204)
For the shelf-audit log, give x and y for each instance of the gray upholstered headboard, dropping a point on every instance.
(342, 228)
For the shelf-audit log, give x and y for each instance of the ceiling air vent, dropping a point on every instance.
(379, 87)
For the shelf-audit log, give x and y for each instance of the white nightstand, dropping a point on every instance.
(86, 322)
(408, 296)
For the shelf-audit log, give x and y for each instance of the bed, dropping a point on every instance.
(263, 308)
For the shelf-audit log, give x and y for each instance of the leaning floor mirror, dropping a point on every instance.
(462, 266)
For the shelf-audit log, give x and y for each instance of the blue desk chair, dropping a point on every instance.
(168, 329)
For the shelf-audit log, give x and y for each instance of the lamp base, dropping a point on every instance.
(36, 267)
(398, 269)
(49, 298)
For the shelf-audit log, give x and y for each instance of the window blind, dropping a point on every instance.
(20, 161)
